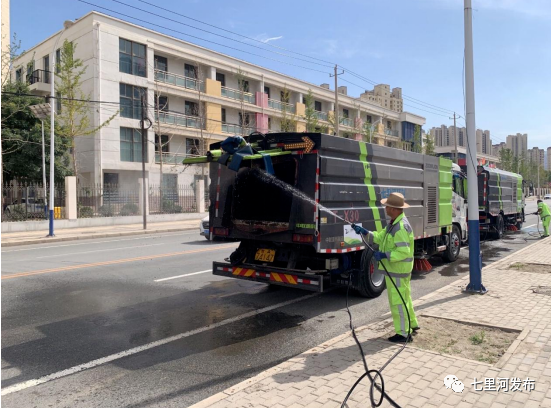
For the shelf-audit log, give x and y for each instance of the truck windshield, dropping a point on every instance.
(255, 200)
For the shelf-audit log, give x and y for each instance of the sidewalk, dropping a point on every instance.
(36, 237)
(322, 376)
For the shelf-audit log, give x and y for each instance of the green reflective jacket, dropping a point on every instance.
(398, 242)
(543, 210)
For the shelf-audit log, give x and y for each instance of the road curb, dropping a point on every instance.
(385, 318)
(93, 236)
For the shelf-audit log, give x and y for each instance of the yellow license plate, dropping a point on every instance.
(265, 255)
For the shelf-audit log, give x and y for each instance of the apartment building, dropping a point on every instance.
(548, 164)
(518, 144)
(483, 142)
(497, 148)
(195, 96)
(6, 36)
(382, 96)
(537, 155)
(445, 143)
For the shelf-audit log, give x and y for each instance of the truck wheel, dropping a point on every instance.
(454, 247)
(371, 279)
(499, 227)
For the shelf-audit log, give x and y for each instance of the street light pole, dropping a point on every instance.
(475, 258)
(66, 25)
(40, 111)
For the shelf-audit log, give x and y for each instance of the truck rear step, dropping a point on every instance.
(270, 275)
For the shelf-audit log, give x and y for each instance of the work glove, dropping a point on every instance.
(359, 229)
(378, 255)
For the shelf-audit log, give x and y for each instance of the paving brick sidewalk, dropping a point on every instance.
(322, 376)
(36, 237)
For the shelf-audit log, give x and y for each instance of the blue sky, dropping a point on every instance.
(413, 44)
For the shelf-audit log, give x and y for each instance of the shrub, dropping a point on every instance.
(106, 210)
(85, 212)
(130, 209)
(169, 206)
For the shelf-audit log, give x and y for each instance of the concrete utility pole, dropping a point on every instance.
(455, 136)
(475, 257)
(144, 137)
(336, 110)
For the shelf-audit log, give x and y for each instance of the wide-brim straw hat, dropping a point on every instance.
(395, 200)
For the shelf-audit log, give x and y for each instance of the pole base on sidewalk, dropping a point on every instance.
(479, 289)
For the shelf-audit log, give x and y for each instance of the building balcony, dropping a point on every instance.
(279, 106)
(238, 95)
(171, 118)
(235, 129)
(323, 116)
(39, 82)
(391, 132)
(172, 158)
(347, 122)
(179, 80)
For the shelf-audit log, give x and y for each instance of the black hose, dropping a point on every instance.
(368, 372)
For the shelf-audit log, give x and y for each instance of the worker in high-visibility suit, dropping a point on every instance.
(396, 245)
(545, 215)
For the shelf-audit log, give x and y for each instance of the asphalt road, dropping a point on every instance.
(122, 322)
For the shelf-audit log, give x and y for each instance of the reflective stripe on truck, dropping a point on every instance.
(269, 275)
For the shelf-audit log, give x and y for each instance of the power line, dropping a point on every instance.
(238, 34)
(201, 39)
(219, 35)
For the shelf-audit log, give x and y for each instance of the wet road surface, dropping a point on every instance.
(122, 322)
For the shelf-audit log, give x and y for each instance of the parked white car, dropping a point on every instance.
(547, 197)
(204, 227)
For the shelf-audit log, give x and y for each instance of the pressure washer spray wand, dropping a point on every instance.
(368, 372)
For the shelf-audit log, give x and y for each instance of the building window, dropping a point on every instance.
(46, 63)
(285, 97)
(58, 60)
(389, 124)
(267, 91)
(244, 85)
(18, 75)
(369, 119)
(345, 113)
(132, 58)
(164, 143)
(58, 102)
(318, 106)
(190, 71)
(192, 146)
(130, 100)
(160, 63)
(269, 123)
(191, 108)
(221, 78)
(243, 121)
(223, 115)
(162, 104)
(131, 145)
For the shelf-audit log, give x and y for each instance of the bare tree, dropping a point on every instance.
(288, 121)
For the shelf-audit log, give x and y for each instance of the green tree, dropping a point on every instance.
(288, 122)
(505, 159)
(75, 105)
(22, 138)
(417, 146)
(429, 145)
(311, 117)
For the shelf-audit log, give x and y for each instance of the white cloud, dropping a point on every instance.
(272, 39)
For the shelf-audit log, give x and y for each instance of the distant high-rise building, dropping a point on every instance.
(443, 136)
(518, 144)
(483, 142)
(382, 96)
(497, 148)
(537, 155)
(548, 164)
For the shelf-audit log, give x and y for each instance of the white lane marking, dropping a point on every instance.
(96, 251)
(184, 275)
(97, 362)
(144, 237)
(527, 227)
